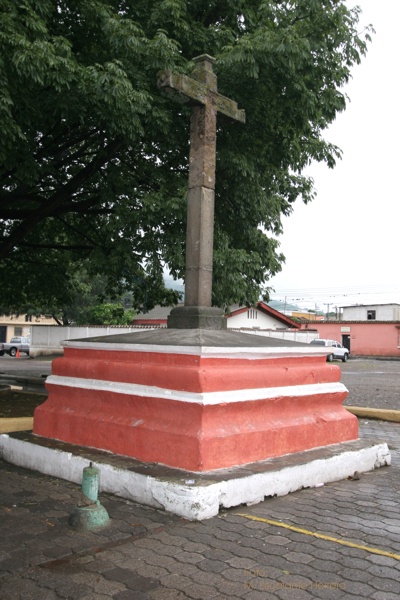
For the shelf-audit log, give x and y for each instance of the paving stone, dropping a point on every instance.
(97, 583)
(385, 561)
(251, 553)
(352, 562)
(211, 565)
(17, 588)
(354, 574)
(175, 581)
(131, 595)
(242, 563)
(183, 569)
(96, 596)
(231, 589)
(238, 575)
(201, 592)
(131, 579)
(329, 593)
(360, 589)
(71, 590)
(195, 547)
(386, 585)
(206, 578)
(217, 554)
(384, 596)
(57, 552)
(256, 595)
(322, 554)
(287, 593)
(299, 557)
(388, 541)
(162, 593)
(227, 535)
(96, 565)
(161, 560)
(279, 540)
(151, 571)
(190, 557)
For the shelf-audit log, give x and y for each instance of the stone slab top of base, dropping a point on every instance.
(193, 337)
(191, 495)
(197, 317)
(200, 478)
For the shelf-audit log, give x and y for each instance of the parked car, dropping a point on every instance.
(16, 343)
(338, 351)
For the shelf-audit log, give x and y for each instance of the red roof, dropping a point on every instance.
(159, 315)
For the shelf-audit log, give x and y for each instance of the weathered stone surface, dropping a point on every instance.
(201, 91)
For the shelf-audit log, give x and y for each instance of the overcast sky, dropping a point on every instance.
(343, 248)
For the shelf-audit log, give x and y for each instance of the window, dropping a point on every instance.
(252, 313)
(18, 331)
(371, 315)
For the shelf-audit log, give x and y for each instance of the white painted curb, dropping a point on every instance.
(200, 498)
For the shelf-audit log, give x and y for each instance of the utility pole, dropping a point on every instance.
(327, 312)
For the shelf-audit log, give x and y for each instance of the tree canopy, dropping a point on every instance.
(94, 158)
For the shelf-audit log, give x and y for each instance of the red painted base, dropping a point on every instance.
(191, 411)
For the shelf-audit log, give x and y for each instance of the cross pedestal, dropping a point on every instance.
(197, 399)
(192, 420)
(196, 416)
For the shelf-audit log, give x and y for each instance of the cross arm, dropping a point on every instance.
(185, 89)
(181, 88)
(229, 108)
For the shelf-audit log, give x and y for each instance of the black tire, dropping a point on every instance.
(13, 352)
(345, 357)
(329, 358)
(1, 352)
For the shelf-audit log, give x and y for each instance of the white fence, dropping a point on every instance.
(295, 335)
(47, 340)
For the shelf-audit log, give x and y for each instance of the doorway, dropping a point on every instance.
(346, 341)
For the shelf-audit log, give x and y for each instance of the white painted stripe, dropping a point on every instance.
(250, 353)
(206, 398)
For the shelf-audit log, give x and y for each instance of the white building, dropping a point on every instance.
(260, 316)
(372, 312)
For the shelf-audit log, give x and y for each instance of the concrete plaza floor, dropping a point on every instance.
(340, 540)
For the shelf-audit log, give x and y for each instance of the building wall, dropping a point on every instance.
(11, 325)
(253, 318)
(371, 338)
(383, 312)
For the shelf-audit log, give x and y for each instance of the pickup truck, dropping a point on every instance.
(338, 351)
(16, 343)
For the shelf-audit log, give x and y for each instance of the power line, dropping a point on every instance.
(310, 294)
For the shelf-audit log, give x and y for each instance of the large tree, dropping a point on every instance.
(93, 158)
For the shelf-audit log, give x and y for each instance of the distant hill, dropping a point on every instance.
(282, 306)
(173, 284)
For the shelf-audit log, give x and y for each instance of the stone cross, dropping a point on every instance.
(200, 90)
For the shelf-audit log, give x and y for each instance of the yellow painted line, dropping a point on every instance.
(382, 414)
(321, 536)
(16, 424)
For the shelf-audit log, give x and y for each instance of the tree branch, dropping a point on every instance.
(56, 201)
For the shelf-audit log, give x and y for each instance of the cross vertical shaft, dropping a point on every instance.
(200, 211)
(201, 91)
